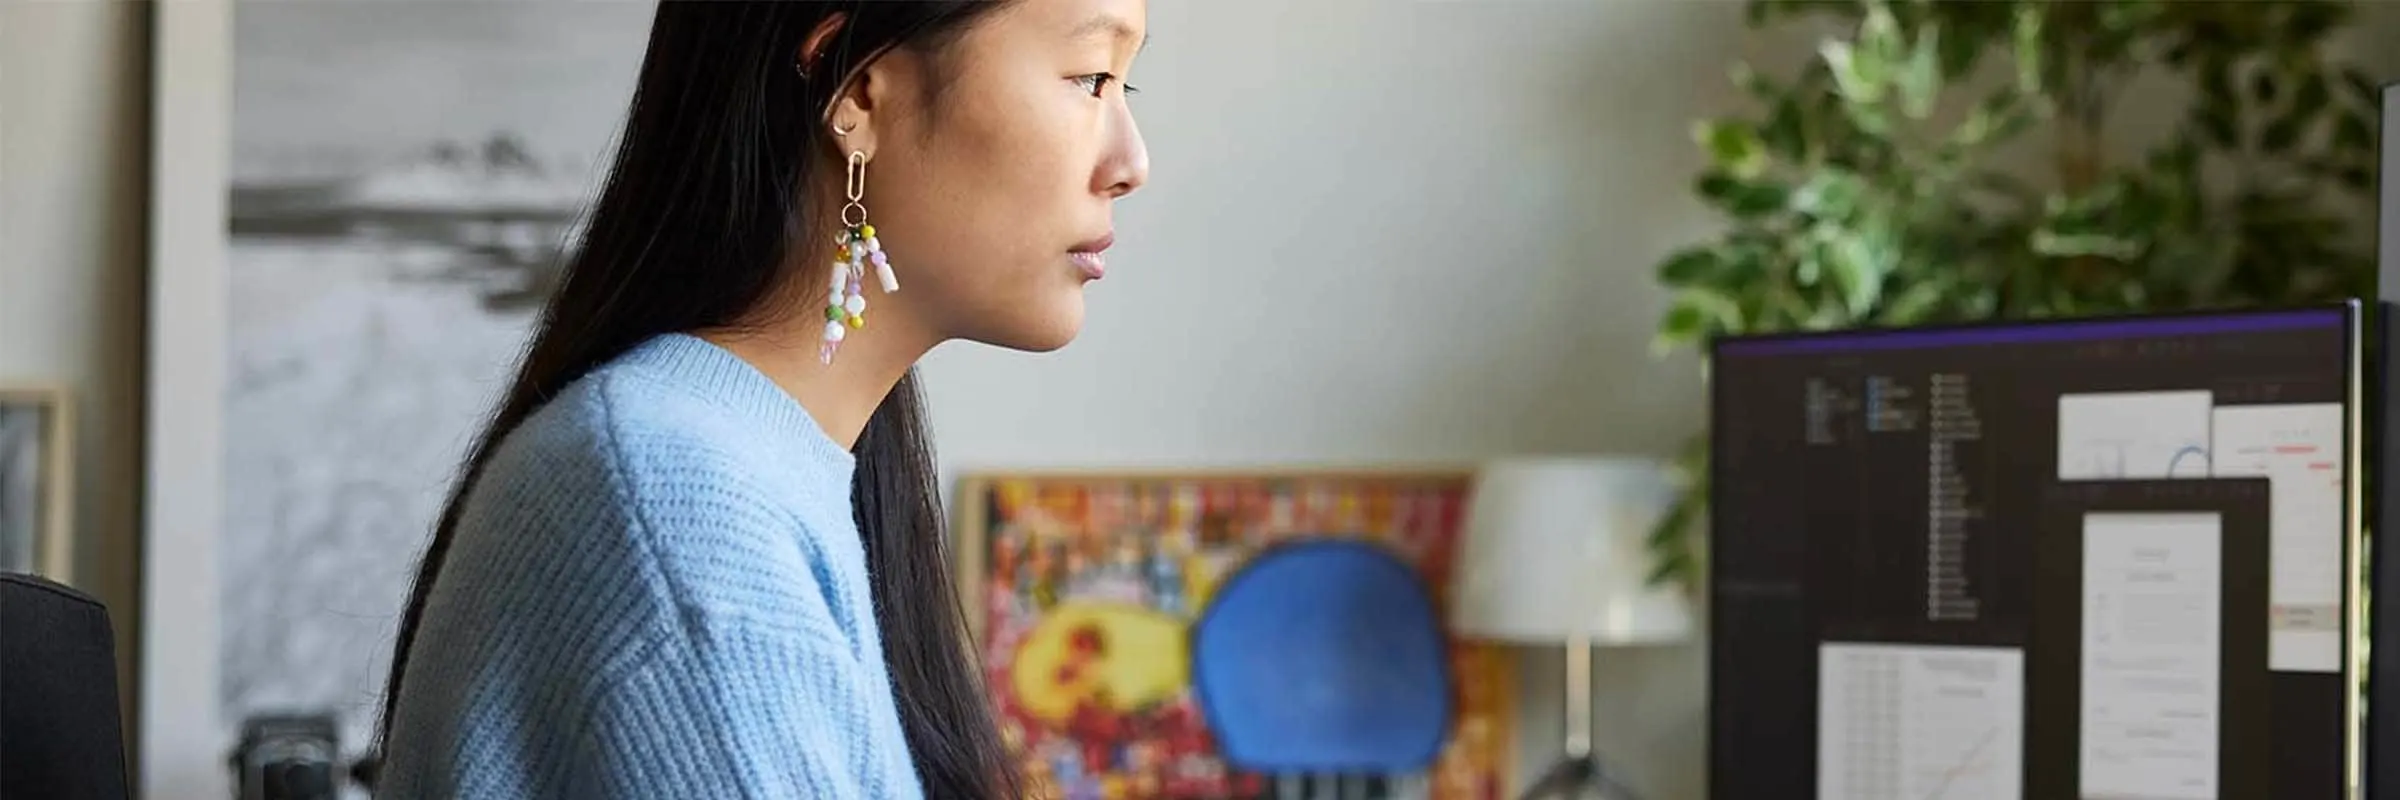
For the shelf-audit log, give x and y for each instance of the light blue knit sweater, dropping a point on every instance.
(656, 590)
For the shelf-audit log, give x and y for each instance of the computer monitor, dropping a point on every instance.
(2058, 559)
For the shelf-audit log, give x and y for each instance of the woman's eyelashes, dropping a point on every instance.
(1097, 82)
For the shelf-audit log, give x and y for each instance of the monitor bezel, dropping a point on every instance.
(2353, 311)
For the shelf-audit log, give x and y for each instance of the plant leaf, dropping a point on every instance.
(1914, 304)
(2364, 90)
(2074, 245)
(2314, 94)
(1920, 79)
(1830, 194)
(2283, 133)
(1742, 199)
(1691, 265)
(1733, 146)
(1857, 265)
(1998, 118)
(1696, 314)
(1855, 75)
(2027, 47)
(2355, 131)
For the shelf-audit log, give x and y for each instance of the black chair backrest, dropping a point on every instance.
(60, 735)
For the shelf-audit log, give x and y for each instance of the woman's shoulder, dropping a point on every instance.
(670, 481)
(637, 440)
(678, 413)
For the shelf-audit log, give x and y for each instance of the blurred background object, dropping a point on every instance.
(1324, 663)
(1553, 556)
(288, 757)
(59, 733)
(1232, 633)
(37, 481)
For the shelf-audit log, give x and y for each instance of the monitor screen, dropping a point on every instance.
(2061, 559)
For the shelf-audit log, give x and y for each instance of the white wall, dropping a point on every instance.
(74, 120)
(1419, 231)
(1381, 233)
(1377, 233)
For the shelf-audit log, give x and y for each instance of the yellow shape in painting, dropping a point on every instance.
(1120, 657)
(1205, 570)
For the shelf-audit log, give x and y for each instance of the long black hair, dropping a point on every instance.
(707, 195)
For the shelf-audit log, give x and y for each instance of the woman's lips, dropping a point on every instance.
(1088, 256)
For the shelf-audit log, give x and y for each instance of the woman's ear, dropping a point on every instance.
(811, 57)
(852, 118)
(847, 115)
(872, 102)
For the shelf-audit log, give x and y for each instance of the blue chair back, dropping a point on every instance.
(1324, 655)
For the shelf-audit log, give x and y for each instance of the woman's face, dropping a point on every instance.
(994, 164)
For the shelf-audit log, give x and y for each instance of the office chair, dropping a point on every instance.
(60, 734)
(1322, 663)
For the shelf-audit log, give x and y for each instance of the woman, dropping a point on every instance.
(698, 552)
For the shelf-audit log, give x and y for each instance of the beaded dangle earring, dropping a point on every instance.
(855, 249)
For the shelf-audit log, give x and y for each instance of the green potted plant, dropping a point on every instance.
(1884, 185)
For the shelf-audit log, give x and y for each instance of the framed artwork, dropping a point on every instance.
(1141, 557)
(37, 482)
(358, 209)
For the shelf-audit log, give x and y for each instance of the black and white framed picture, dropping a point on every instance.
(36, 482)
(358, 209)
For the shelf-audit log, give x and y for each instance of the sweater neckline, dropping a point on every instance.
(719, 376)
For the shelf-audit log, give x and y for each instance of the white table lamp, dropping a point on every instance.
(1553, 555)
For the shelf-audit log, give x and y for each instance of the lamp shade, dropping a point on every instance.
(1553, 551)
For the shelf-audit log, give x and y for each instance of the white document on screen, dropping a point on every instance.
(1920, 722)
(2299, 449)
(2133, 435)
(2152, 604)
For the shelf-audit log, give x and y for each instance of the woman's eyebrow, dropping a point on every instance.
(1111, 26)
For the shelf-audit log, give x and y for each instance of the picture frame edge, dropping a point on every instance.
(54, 545)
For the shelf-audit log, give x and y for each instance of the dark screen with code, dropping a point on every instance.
(2059, 559)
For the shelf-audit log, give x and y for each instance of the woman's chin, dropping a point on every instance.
(1044, 332)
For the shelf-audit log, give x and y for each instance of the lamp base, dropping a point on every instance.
(1573, 775)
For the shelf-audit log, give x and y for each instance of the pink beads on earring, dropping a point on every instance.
(855, 248)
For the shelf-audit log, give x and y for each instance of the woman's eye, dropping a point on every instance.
(1098, 81)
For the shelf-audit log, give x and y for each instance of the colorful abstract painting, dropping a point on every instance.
(1083, 590)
